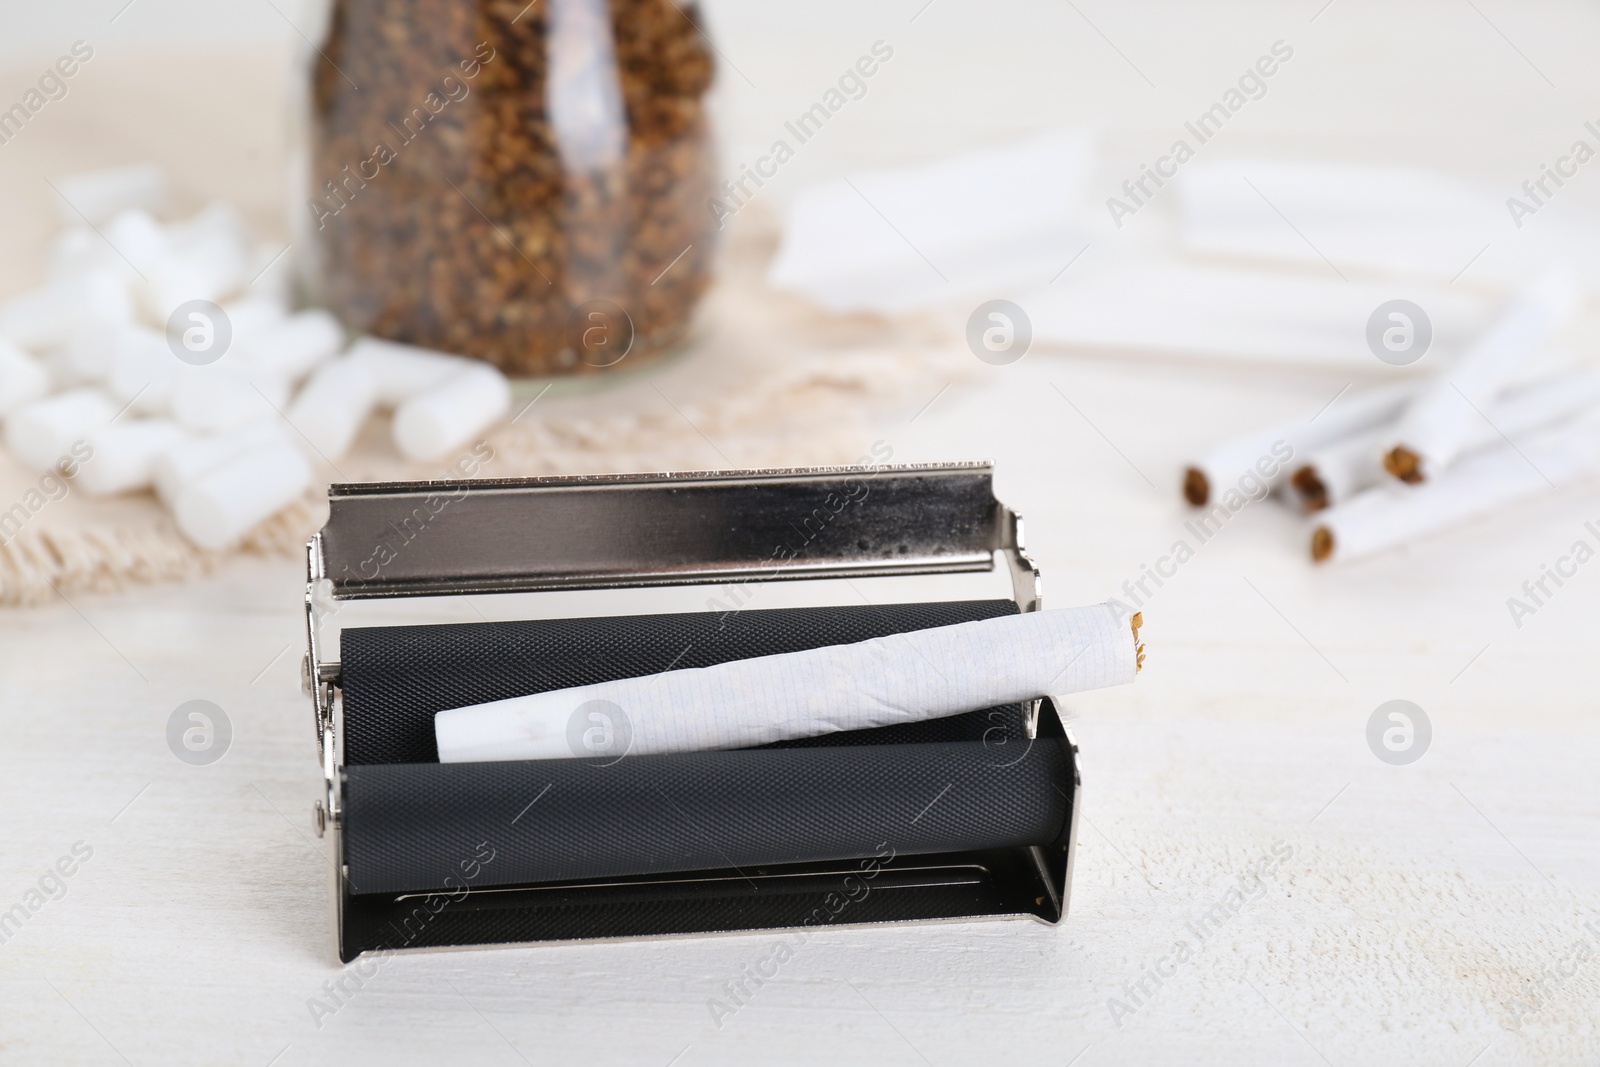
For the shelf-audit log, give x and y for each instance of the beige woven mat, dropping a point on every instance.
(764, 381)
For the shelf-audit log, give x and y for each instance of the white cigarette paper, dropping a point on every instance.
(925, 674)
(1336, 473)
(1438, 424)
(1392, 515)
(1268, 454)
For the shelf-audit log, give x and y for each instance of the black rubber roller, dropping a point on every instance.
(413, 826)
(961, 783)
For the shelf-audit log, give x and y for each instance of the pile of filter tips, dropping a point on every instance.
(1380, 468)
(119, 372)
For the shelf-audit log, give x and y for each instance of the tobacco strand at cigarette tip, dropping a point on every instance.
(1313, 493)
(1196, 489)
(1135, 621)
(1404, 464)
(1321, 544)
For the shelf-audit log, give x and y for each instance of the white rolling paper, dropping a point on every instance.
(1381, 219)
(1391, 515)
(992, 220)
(1203, 311)
(925, 674)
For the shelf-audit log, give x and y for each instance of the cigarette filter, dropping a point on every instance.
(885, 681)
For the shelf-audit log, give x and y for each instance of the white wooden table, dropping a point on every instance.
(1419, 906)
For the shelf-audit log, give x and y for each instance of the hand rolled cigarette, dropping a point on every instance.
(1438, 425)
(924, 674)
(1338, 472)
(1266, 453)
(1391, 515)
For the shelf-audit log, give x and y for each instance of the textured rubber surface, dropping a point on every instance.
(395, 678)
(966, 782)
(413, 826)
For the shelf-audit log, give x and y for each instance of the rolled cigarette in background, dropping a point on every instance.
(23, 379)
(221, 506)
(401, 372)
(1336, 473)
(1391, 515)
(187, 460)
(330, 408)
(100, 194)
(292, 346)
(222, 396)
(40, 433)
(125, 454)
(1437, 426)
(452, 413)
(1256, 453)
(924, 674)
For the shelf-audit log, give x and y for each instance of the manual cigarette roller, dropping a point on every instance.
(960, 816)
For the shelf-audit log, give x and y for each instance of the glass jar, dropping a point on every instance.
(526, 183)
